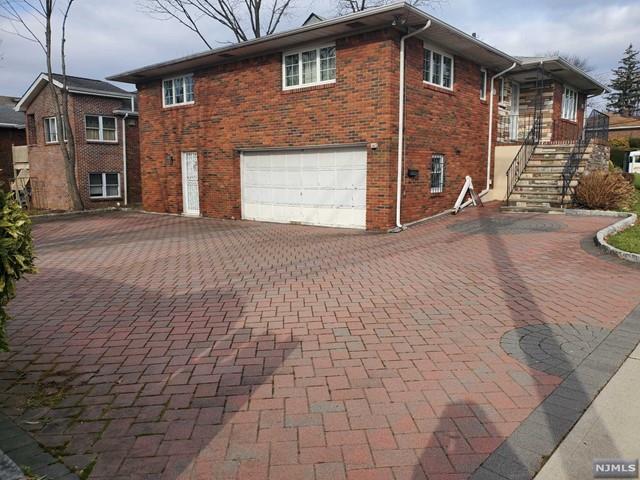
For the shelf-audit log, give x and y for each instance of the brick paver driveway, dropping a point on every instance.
(167, 347)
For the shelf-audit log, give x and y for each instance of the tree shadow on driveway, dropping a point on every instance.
(155, 385)
(471, 449)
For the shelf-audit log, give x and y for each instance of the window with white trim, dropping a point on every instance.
(437, 173)
(483, 84)
(104, 185)
(570, 104)
(503, 91)
(438, 68)
(308, 67)
(178, 91)
(100, 129)
(51, 130)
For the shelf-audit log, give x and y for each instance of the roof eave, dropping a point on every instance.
(154, 71)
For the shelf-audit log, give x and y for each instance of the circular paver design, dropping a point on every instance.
(507, 226)
(554, 349)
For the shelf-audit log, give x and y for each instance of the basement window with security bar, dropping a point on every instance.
(309, 67)
(437, 173)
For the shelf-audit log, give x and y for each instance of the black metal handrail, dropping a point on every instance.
(596, 129)
(524, 154)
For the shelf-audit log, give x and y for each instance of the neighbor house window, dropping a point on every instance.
(438, 68)
(503, 92)
(178, 91)
(51, 130)
(483, 84)
(437, 173)
(100, 129)
(570, 104)
(309, 67)
(104, 185)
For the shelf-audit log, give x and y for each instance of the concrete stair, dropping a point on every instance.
(539, 188)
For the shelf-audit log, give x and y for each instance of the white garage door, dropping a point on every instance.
(315, 187)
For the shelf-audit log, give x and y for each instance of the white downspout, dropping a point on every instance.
(124, 159)
(401, 123)
(490, 142)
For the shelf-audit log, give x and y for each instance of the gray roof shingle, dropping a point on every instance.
(8, 115)
(90, 84)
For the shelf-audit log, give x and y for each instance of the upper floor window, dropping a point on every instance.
(178, 91)
(483, 84)
(316, 66)
(570, 104)
(51, 130)
(503, 91)
(100, 129)
(438, 68)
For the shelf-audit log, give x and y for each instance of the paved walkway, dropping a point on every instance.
(163, 347)
(609, 429)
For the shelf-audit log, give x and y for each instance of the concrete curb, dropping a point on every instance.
(628, 220)
(8, 469)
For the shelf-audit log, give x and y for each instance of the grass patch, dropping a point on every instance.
(629, 240)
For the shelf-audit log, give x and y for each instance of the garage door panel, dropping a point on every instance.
(322, 187)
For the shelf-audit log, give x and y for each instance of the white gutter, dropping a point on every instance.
(490, 143)
(401, 122)
(124, 159)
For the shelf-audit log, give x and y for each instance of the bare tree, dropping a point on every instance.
(352, 6)
(245, 18)
(33, 20)
(576, 60)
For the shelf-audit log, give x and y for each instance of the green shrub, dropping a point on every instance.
(604, 190)
(634, 143)
(16, 254)
(617, 157)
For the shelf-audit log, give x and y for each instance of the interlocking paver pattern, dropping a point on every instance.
(205, 349)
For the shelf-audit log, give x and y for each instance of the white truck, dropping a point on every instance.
(633, 162)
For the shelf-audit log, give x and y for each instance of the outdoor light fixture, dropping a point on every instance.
(168, 160)
(413, 173)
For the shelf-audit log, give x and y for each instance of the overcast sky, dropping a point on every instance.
(111, 36)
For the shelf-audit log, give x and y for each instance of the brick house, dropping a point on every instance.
(104, 121)
(12, 133)
(315, 126)
(621, 127)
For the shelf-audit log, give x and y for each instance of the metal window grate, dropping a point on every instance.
(437, 173)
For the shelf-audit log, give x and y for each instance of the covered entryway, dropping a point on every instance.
(326, 187)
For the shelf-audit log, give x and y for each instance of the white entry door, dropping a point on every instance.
(325, 187)
(190, 191)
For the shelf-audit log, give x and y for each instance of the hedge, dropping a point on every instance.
(16, 254)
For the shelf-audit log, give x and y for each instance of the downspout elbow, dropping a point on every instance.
(399, 226)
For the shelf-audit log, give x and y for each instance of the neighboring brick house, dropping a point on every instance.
(104, 121)
(12, 133)
(621, 127)
(303, 126)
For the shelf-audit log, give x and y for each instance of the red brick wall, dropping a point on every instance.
(50, 188)
(439, 121)
(46, 164)
(96, 157)
(243, 105)
(630, 133)
(8, 138)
